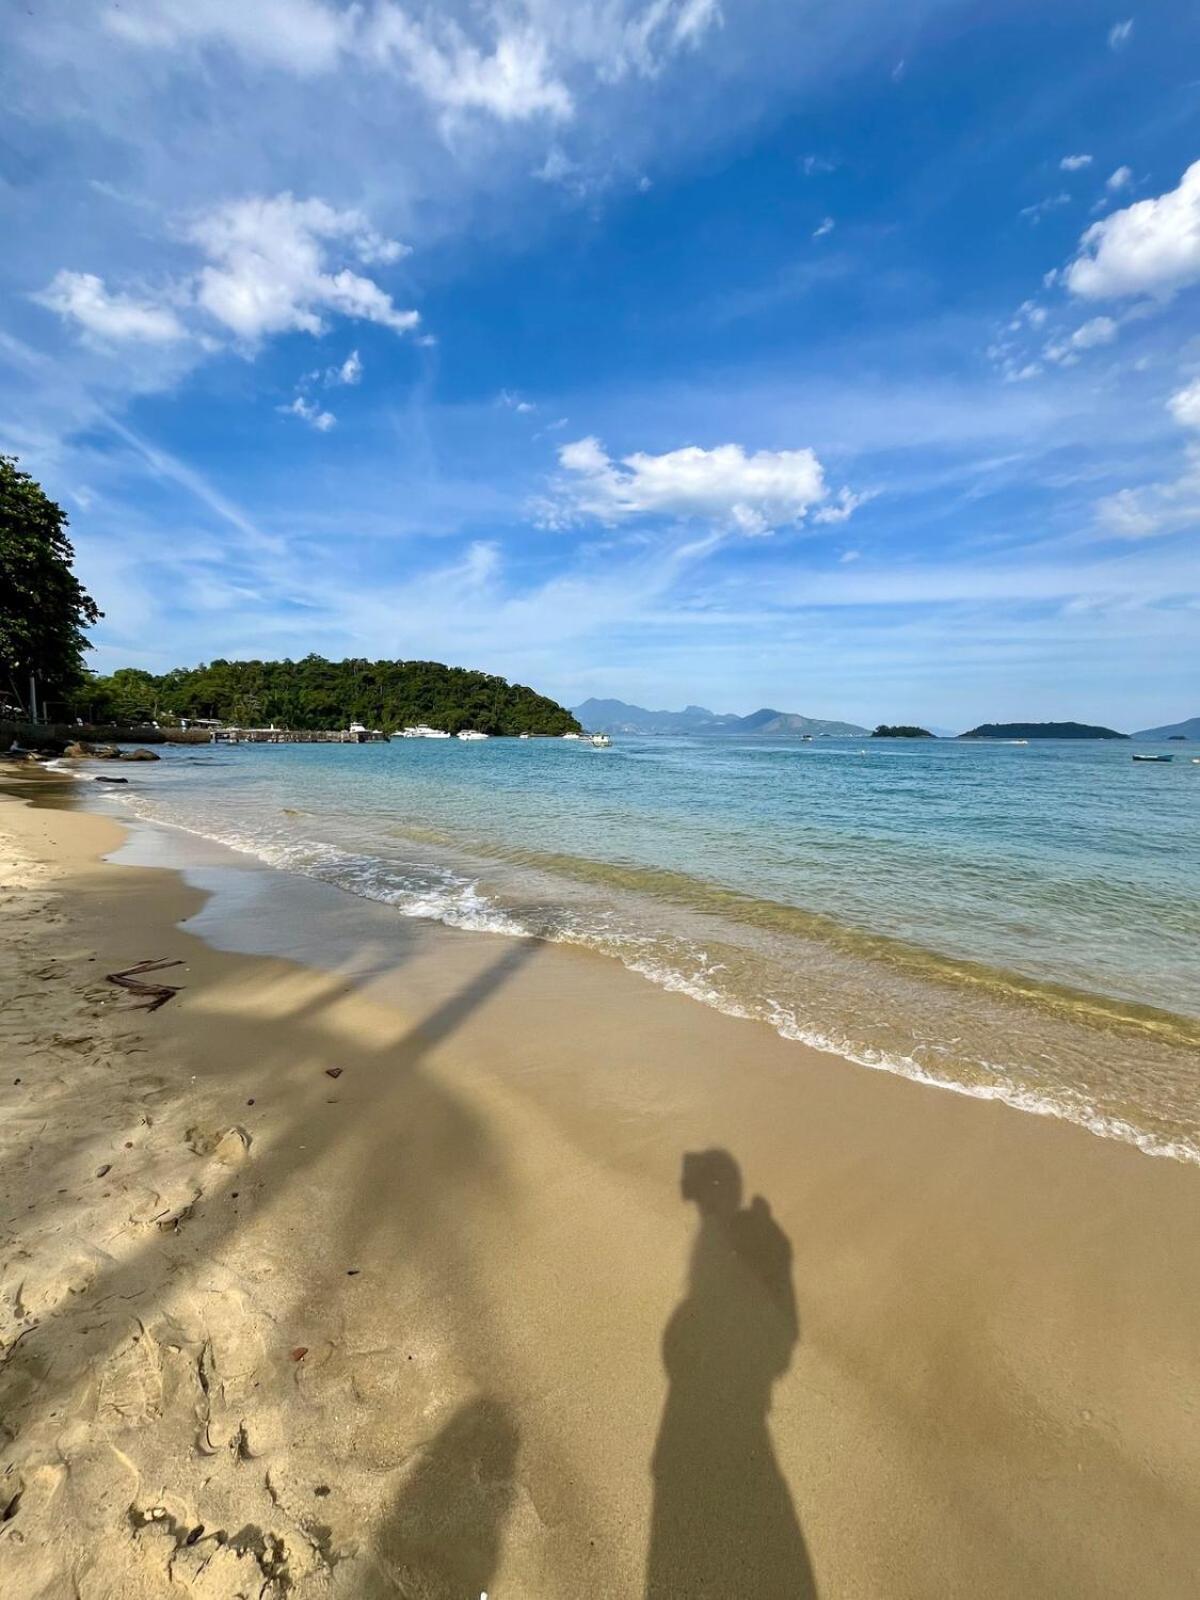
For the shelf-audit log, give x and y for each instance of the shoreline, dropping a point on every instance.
(993, 1389)
(880, 979)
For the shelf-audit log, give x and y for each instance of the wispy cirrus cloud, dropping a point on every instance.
(510, 63)
(83, 299)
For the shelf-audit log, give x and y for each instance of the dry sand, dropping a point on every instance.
(445, 1323)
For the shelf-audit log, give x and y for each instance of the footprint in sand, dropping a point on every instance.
(228, 1146)
(131, 1381)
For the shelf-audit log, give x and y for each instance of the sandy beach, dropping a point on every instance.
(480, 1264)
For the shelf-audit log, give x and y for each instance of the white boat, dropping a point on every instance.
(422, 730)
(601, 741)
(1153, 758)
(471, 733)
(572, 736)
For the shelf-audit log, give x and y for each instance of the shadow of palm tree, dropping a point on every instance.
(442, 1536)
(723, 1524)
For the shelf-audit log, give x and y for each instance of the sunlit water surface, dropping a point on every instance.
(1019, 922)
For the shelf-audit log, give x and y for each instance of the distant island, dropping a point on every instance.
(901, 730)
(1040, 730)
(314, 693)
(617, 716)
(1173, 730)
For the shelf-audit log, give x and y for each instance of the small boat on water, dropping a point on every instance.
(601, 741)
(472, 733)
(571, 736)
(1153, 758)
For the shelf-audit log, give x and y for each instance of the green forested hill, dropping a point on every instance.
(315, 693)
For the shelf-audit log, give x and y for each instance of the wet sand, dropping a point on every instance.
(460, 1318)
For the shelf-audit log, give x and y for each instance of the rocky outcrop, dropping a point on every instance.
(80, 749)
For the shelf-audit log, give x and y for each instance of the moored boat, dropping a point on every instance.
(1153, 758)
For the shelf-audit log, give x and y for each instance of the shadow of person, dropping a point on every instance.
(441, 1538)
(723, 1524)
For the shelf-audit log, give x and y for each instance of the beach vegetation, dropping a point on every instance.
(314, 693)
(901, 730)
(44, 609)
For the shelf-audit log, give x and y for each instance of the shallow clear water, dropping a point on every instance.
(1014, 921)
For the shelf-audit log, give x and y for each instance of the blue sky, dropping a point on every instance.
(838, 357)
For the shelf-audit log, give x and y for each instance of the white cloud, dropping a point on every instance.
(845, 504)
(1151, 247)
(814, 166)
(1099, 331)
(512, 401)
(1157, 509)
(350, 371)
(322, 421)
(515, 71)
(83, 298)
(267, 271)
(1184, 405)
(303, 36)
(1160, 508)
(513, 81)
(1118, 34)
(1120, 179)
(1052, 202)
(825, 226)
(642, 41)
(751, 494)
(267, 261)
(1075, 163)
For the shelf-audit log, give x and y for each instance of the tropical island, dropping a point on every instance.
(901, 730)
(314, 693)
(1041, 730)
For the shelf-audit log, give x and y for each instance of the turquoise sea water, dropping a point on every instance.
(1018, 922)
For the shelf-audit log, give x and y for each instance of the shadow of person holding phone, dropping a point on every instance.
(723, 1524)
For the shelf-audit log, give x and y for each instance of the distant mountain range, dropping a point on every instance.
(1175, 730)
(617, 716)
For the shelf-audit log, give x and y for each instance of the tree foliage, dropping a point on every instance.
(43, 606)
(315, 693)
(901, 730)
